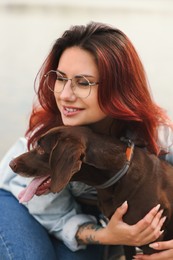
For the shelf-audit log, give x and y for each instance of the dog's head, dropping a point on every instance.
(59, 153)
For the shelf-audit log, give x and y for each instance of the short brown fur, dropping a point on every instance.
(78, 154)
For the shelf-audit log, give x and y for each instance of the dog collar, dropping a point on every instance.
(124, 169)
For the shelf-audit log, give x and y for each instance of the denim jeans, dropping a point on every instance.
(23, 238)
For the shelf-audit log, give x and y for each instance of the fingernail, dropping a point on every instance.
(161, 211)
(164, 218)
(124, 204)
(157, 207)
(154, 245)
(161, 232)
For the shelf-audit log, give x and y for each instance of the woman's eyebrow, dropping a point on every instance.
(85, 75)
(61, 72)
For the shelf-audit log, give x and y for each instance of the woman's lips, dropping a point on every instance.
(71, 111)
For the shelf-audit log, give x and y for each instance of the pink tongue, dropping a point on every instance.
(26, 194)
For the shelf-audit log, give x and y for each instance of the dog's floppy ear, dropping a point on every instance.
(56, 130)
(65, 161)
(50, 139)
(48, 142)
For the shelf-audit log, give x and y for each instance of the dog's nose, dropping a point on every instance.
(13, 165)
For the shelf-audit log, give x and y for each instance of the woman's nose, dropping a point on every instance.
(67, 92)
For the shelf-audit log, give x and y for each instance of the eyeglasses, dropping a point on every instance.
(80, 85)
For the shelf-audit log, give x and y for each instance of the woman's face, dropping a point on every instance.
(75, 110)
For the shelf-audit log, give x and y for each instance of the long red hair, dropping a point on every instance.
(123, 91)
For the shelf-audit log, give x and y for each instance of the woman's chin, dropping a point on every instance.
(72, 123)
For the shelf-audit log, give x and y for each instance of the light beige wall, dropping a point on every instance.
(29, 28)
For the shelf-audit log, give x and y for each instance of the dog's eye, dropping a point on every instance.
(40, 150)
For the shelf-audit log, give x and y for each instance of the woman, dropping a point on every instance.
(92, 76)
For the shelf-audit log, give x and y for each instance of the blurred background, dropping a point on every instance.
(28, 28)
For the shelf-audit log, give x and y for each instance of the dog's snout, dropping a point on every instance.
(13, 165)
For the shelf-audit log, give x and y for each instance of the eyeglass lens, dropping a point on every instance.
(79, 84)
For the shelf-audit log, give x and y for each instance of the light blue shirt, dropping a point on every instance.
(59, 213)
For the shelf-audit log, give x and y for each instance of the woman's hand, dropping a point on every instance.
(118, 232)
(143, 232)
(167, 254)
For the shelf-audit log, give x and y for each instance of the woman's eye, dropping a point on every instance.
(60, 79)
(82, 83)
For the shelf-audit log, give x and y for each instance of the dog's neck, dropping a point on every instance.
(107, 126)
(101, 173)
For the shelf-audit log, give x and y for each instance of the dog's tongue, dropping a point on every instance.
(26, 194)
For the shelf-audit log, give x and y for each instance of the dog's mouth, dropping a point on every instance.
(38, 186)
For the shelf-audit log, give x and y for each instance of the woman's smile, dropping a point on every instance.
(71, 111)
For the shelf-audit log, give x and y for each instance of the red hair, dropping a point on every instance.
(123, 91)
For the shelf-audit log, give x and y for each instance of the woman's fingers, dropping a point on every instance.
(153, 231)
(149, 218)
(120, 212)
(144, 232)
(162, 245)
(164, 255)
(149, 228)
(157, 220)
(165, 247)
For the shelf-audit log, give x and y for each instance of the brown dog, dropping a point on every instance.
(119, 172)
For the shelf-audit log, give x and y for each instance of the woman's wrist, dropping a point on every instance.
(91, 233)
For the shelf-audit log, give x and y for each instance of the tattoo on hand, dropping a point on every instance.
(89, 239)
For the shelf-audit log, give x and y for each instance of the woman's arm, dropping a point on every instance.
(117, 232)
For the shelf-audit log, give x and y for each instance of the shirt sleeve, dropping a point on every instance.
(165, 141)
(58, 213)
(8, 179)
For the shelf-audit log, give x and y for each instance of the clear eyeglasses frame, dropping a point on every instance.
(80, 85)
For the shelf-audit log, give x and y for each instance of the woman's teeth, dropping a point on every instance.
(71, 109)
